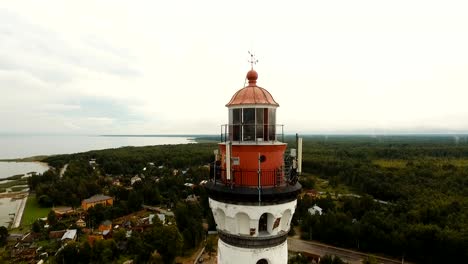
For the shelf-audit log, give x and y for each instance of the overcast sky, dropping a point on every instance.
(158, 67)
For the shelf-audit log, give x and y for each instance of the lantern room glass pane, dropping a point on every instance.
(259, 132)
(249, 133)
(259, 116)
(249, 116)
(272, 123)
(236, 116)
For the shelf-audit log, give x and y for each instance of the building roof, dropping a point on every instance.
(97, 198)
(70, 234)
(106, 223)
(315, 210)
(252, 94)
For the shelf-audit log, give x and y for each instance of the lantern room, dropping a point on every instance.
(252, 113)
(252, 154)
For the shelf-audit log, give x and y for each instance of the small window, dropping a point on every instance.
(262, 261)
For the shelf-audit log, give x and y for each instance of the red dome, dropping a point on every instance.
(252, 94)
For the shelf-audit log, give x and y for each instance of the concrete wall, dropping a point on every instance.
(240, 219)
(228, 254)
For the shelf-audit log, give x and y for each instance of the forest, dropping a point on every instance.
(406, 196)
(163, 171)
(413, 192)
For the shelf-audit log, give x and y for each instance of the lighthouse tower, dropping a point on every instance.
(253, 190)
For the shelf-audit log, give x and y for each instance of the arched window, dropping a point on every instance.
(285, 220)
(263, 223)
(220, 218)
(262, 261)
(243, 223)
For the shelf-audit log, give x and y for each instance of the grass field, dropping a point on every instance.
(322, 185)
(33, 211)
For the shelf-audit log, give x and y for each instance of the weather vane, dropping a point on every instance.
(252, 59)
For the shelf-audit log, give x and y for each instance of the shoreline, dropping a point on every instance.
(34, 166)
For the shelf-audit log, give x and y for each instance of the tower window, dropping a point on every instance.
(262, 261)
(263, 223)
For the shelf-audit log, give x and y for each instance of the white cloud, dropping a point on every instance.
(169, 67)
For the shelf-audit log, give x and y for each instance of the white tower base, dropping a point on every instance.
(228, 254)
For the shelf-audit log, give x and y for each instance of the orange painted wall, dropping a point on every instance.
(246, 172)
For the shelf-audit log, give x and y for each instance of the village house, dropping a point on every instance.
(105, 226)
(311, 193)
(69, 235)
(97, 199)
(80, 223)
(192, 198)
(63, 210)
(135, 179)
(315, 210)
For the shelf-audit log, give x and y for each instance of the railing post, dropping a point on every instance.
(282, 133)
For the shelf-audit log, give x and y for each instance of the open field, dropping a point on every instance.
(322, 185)
(33, 211)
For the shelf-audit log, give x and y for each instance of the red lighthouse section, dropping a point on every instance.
(251, 153)
(248, 161)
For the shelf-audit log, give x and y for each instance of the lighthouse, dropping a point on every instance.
(253, 186)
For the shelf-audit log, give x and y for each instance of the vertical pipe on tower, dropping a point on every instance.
(228, 161)
(259, 184)
(299, 156)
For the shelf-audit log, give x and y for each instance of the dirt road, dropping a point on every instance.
(350, 256)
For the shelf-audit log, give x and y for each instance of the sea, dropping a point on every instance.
(22, 146)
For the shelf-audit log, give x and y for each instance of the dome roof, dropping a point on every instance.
(252, 94)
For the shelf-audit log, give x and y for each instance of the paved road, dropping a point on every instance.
(350, 256)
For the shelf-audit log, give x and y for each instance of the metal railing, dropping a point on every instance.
(251, 133)
(249, 178)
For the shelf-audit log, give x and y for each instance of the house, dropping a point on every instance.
(116, 182)
(92, 163)
(203, 182)
(63, 210)
(188, 184)
(315, 210)
(192, 198)
(311, 193)
(96, 199)
(80, 223)
(135, 179)
(70, 235)
(162, 218)
(106, 225)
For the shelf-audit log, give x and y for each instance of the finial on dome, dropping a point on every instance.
(252, 76)
(252, 60)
